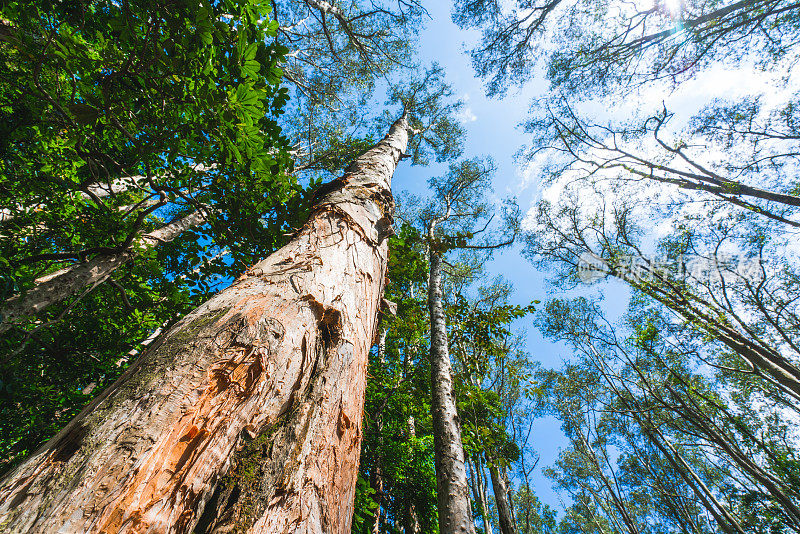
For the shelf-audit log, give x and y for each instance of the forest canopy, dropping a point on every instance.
(395, 266)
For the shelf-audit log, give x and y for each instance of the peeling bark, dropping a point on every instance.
(452, 490)
(246, 415)
(64, 283)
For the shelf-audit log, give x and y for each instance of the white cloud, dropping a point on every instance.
(466, 115)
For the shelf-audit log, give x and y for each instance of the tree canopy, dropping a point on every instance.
(186, 186)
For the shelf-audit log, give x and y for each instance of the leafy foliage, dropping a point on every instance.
(116, 119)
(634, 44)
(398, 439)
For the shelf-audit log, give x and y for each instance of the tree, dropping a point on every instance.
(667, 431)
(86, 282)
(438, 135)
(670, 419)
(339, 53)
(229, 420)
(94, 176)
(340, 49)
(453, 219)
(492, 375)
(536, 517)
(374, 37)
(397, 450)
(635, 45)
(756, 145)
(739, 153)
(62, 284)
(78, 103)
(711, 300)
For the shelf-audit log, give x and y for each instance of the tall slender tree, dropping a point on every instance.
(647, 398)
(397, 421)
(492, 377)
(457, 217)
(635, 44)
(712, 300)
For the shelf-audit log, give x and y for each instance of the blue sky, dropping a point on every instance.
(492, 130)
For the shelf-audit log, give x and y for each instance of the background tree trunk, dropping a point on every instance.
(719, 511)
(246, 415)
(377, 472)
(479, 492)
(66, 282)
(504, 511)
(452, 490)
(411, 520)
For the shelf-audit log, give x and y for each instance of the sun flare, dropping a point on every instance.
(673, 7)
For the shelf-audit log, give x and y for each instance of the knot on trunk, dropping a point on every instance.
(328, 188)
(266, 332)
(330, 322)
(385, 227)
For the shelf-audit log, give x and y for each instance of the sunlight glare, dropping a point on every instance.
(673, 7)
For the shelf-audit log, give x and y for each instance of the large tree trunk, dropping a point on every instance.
(504, 511)
(246, 415)
(452, 490)
(66, 282)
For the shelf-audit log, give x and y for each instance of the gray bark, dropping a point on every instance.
(504, 511)
(479, 493)
(246, 415)
(62, 284)
(722, 516)
(452, 490)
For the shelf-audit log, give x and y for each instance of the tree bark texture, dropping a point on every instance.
(246, 415)
(504, 510)
(452, 490)
(479, 492)
(66, 282)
